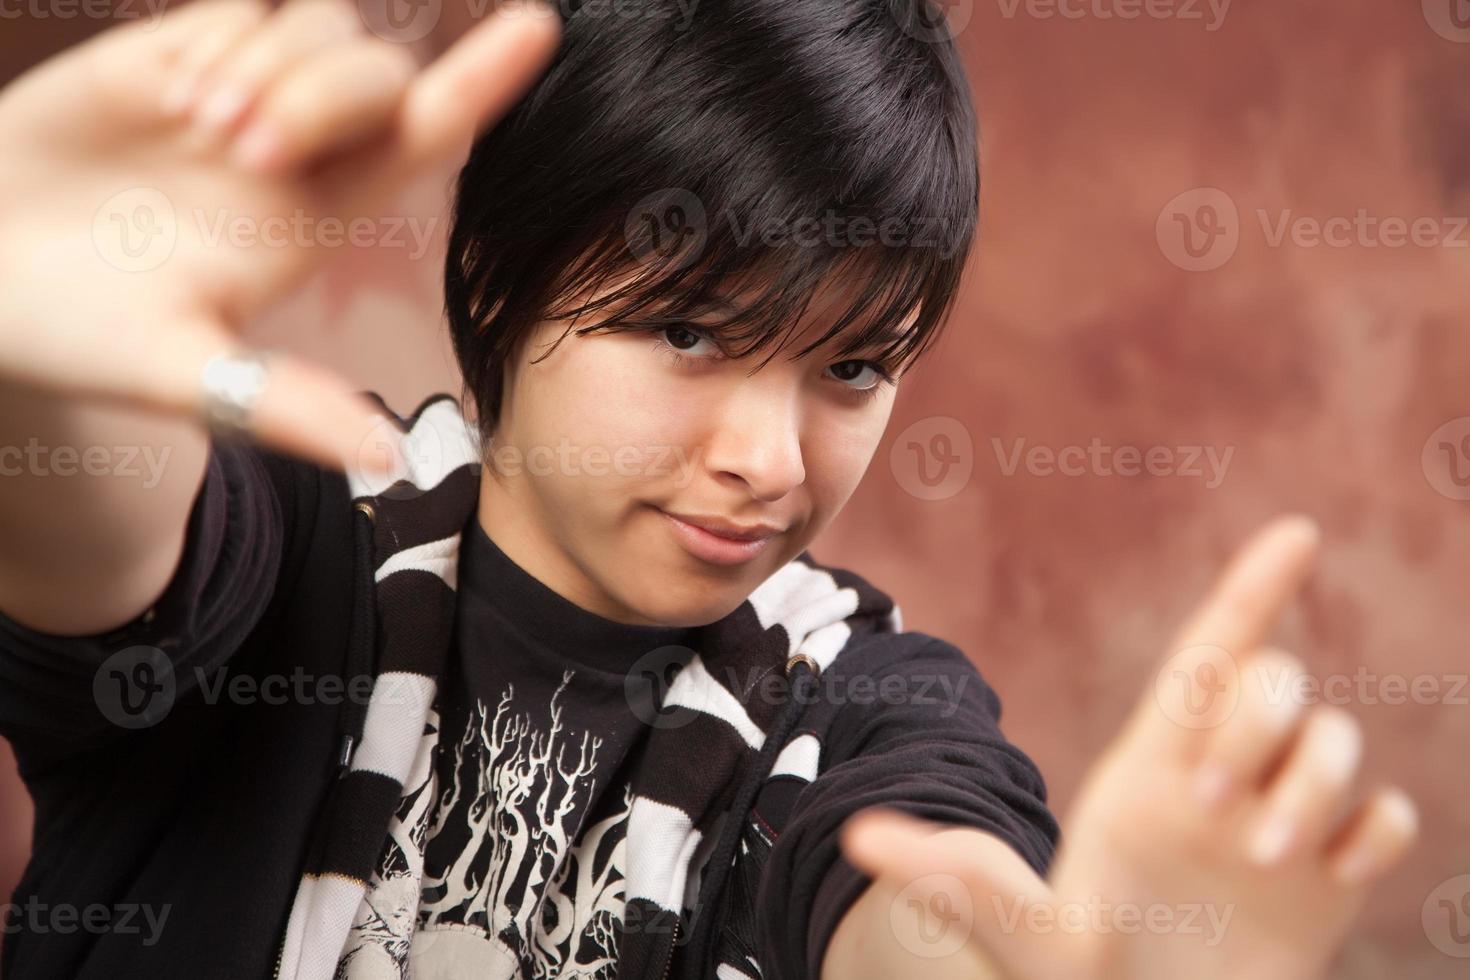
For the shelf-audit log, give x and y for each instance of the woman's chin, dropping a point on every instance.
(687, 600)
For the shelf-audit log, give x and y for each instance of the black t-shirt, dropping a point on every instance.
(523, 862)
(170, 839)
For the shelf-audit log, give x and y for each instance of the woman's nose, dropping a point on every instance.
(758, 441)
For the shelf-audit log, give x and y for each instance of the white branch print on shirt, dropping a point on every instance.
(508, 886)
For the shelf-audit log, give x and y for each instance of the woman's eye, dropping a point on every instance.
(861, 375)
(686, 341)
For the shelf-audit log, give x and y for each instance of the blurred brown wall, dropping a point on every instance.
(1325, 378)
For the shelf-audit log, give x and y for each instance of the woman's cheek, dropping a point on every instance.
(837, 461)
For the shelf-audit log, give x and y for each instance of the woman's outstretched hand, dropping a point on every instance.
(166, 181)
(1216, 837)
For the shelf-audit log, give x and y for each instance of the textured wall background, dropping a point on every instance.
(1116, 302)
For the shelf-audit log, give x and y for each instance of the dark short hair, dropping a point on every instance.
(727, 133)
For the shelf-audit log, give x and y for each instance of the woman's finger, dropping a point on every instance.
(298, 30)
(303, 410)
(1249, 596)
(1195, 690)
(475, 82)
(204, 32)
(1305, 797)
(176, 31)
(346, 94)
(1374, 838)
(127, 68)
(312, 413)
(1244, 746)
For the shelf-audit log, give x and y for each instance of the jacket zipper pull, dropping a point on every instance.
(344, 761)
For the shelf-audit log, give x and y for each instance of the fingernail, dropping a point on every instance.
(1212, 785)
(258, 147)
(221, 107)
(1305, 525)
(1271, 839)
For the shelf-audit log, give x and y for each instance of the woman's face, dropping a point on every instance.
(603, 440)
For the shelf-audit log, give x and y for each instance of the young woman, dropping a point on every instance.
(544, 681)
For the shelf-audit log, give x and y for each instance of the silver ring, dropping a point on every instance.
(231, 384)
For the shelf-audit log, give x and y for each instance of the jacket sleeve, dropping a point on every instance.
(62, 694)
(913, 726)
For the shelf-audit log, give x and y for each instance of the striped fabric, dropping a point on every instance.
(684, 781)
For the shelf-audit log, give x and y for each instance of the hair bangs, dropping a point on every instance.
(751, 290)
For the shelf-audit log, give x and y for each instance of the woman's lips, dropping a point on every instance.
(712, 547)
